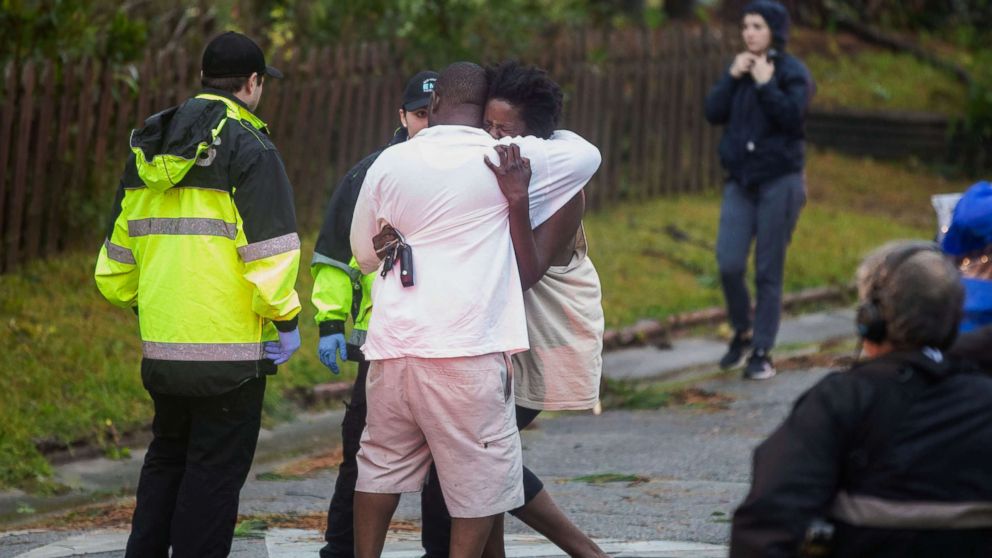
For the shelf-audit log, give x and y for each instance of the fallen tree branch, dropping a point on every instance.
(658, 333)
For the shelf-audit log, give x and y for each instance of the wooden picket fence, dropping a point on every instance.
(64, 125)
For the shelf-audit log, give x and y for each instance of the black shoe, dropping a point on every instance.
(759, 366)
(735, 352)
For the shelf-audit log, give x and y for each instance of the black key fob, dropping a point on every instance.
(406, 265)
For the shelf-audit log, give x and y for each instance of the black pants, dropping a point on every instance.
(436, 534)
(195, 467)
(766, 213)
(340, 533)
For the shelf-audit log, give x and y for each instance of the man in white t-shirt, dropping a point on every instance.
(440, 383)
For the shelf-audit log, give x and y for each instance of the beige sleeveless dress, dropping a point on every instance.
(562, 369)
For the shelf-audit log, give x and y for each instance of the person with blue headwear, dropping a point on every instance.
(969, 240)
(761, 102)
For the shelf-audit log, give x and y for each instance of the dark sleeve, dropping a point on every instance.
(785, 98)
(128, 176)
(264, 198)
(334, 240)
(719, 99)
(797, 470)
(115, 210)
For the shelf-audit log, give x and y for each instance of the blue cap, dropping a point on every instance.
(971, 225)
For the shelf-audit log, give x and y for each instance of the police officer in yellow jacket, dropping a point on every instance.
(340, 290)
(203, 246)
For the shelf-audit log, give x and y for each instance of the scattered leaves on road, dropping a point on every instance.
(631, 396)
(305, 467)
(107, 515)
(719, 517)
(256, 525)
(603, 478)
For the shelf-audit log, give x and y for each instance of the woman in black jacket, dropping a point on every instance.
(761, 101)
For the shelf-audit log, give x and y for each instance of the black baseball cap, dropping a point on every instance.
(418, 90)
(234, 55)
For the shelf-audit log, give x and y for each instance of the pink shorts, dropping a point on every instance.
(458, 411)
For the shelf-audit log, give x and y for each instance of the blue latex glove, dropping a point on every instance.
(280, 351)
(328, 349)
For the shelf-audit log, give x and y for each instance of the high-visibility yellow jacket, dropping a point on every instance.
(339, 287)
(203, 243)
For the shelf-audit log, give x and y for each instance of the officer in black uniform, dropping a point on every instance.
(890, 458)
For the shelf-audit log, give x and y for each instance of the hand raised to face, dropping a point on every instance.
(743, 63)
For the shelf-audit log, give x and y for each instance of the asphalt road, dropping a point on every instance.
(691, 464)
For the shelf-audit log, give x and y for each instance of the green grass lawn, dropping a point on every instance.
(885, 80)
(850, 73)
(70, 367)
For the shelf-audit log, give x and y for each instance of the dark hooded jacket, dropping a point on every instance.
(902, 434)
(764, 133)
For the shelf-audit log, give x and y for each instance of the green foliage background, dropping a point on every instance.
(432, 31)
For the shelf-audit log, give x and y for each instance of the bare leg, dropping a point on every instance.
(372, 515)
(494, 546)
(468, 536)
(544, 516)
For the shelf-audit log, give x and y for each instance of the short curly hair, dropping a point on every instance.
(529, 89)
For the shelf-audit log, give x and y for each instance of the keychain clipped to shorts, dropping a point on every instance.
(401, 253)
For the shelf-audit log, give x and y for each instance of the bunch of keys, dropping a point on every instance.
(399, 251)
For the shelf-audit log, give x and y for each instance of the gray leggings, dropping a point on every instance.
(766, 213)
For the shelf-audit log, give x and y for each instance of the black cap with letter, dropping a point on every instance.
(418, 90)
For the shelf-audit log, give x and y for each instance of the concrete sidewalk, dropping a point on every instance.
(692, 353)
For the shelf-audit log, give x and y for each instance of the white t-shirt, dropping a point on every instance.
(438, 193)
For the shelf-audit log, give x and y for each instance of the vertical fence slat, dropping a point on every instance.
(103, 120)
(6, 125)
(79, 167)
(54, 214)
(42, 174)
(344, 133)
(696, 119)
(319, 140)
(145, 90)
(15, 213)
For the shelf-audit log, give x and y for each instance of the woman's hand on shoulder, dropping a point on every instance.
(513, 174)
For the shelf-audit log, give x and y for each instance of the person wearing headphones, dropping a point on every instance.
(889, 458)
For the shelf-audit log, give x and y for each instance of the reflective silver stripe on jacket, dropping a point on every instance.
(322, 259)
(182, 226)
(868, 511)
(270, 247)
(202, 351)
(119, 253)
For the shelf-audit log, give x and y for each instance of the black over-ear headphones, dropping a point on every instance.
(870, 320)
